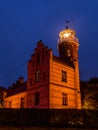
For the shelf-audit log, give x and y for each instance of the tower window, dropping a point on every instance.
(37, 75)
(37, 98)
(64, 99)
(64, 76)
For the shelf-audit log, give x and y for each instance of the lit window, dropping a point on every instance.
(64, 76)
(22, 103)
(37, 75)
(37, 98)
(64, 99)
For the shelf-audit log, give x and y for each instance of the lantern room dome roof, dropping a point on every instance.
(68, 35)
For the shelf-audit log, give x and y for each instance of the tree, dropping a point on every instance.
(89, 93)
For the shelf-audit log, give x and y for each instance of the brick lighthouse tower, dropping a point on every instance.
(68, 51)
(53, 82)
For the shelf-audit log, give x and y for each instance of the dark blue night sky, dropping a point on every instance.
(24, 22)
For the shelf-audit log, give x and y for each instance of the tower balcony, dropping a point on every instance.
(68, 39)
(67, 35)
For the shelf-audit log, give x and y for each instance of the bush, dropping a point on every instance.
(49, 117)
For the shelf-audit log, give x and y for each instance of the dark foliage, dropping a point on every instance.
(49, 117)
(89, 93)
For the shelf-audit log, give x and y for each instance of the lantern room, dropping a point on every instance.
(67, 35)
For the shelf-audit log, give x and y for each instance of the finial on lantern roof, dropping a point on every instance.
(67, 22)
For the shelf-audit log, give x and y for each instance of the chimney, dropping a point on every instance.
(21, 80)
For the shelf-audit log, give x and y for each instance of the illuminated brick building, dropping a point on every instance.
(53, 82)
(16, 95)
